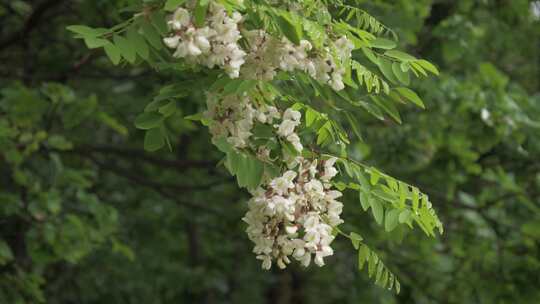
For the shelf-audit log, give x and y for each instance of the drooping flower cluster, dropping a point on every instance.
(294, 215)
(214, 44)
(327, 71)
(291, 216)
(234, 117)
(267, 55)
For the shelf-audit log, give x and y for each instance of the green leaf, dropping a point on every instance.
(355, 239)
(384, 279)
(380, 268)
(391, 221)
(405, 216)
(248, 170)
(158, 19)
(388, 107)
(316, 33)
(245, 86)
(153, 140)
(389, 197)
(195, 117)
(172, 5)
(402, 76)
(411, 96)
(148, 120)
(385, 66)
(400, 55)
(382, 43)
(113, 53)
(138, 42)
(415, 198)
(290, 28)
(200, 12)
(85, 31)
(254, 172)
(428, 66)
(232, 86)
(363, 255)
(263, 131)
(311, 117)
(364, 200)
(403, 193)
(126, 48)
(376, 209)
(168, 109)
(151, 35)
(94, 43)
(375, 176)
(370, 55)
(372, 263)
(223, 145)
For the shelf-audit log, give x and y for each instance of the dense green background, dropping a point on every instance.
(86, 216)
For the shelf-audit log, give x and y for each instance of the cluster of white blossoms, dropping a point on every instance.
(234, 117)
(267, 55)
(293, 216)
(214, 44)
(327, 71)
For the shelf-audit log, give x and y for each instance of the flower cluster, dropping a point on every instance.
(326, 69)
(268, 54)
(233, 117)
(214, 44)
(294, 215)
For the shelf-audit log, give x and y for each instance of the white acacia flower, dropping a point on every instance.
(266, 261)
(286, 127)
(291, 114)
(282, 205)
(281, 185)
(172, 42)
(315, 188)
(321, 254)
(295, 141)
(181, 18)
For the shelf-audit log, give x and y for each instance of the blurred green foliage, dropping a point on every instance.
(87, 216)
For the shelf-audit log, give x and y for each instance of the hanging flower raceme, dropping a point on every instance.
(293, 216)
(213, 44)
(267, 55)
(234, 117)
